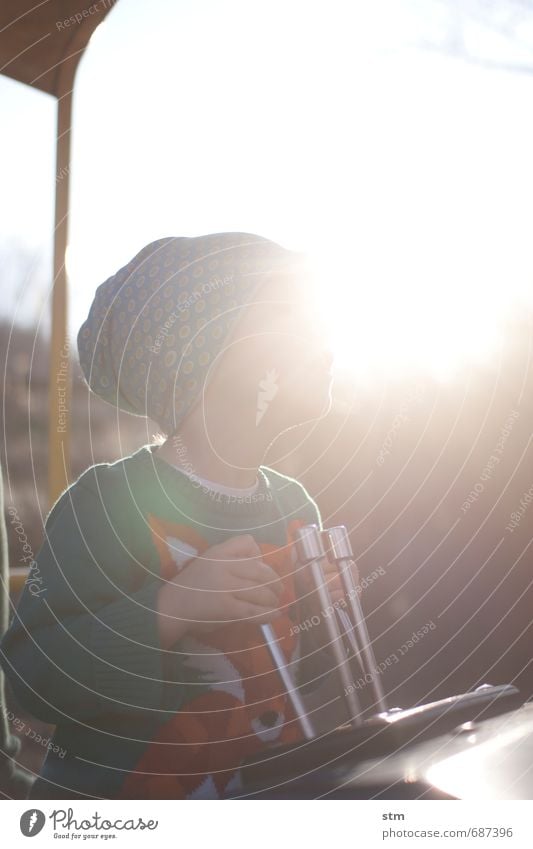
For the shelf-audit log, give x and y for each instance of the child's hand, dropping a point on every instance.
(228, 582)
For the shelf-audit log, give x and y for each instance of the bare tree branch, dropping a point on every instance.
(502, 18)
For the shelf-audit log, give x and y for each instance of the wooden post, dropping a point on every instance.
(60, 378)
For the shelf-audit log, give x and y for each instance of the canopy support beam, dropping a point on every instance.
(60, 378)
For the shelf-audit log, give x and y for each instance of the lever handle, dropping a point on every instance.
(342, 554)
(310, 550)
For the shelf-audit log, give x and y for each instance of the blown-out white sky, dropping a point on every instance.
(406, 174)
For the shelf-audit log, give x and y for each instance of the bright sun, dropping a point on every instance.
(381, 319)
(404, 174)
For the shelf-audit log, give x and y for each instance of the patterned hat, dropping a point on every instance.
(156, 325)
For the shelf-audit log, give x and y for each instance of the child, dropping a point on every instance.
(142, 641)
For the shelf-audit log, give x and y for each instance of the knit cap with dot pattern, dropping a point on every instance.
(156, 325)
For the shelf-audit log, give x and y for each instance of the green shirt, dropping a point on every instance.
(83, 651)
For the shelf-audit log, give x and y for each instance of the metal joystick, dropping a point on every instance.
(293, 694)
(344, 619)
(342, 554)
(310, 551)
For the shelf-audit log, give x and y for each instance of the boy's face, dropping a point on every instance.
(277, 358)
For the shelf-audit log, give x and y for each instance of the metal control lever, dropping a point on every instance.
(348, 628)
(344, 620)
(293, 695)
(342, 554)
(310, 550)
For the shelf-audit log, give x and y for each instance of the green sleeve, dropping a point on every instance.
(84, 639)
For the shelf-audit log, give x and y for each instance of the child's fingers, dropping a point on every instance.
(262, 596)
(240, 546)
(258, 572)
(259, 614)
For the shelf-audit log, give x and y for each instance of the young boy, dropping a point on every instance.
(142, 641)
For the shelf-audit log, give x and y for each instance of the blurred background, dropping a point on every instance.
(392, 141)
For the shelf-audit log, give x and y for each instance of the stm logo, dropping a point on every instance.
(31, 822)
